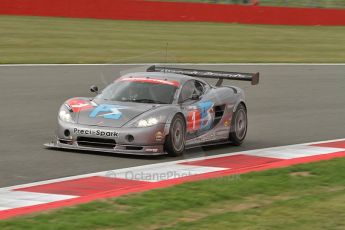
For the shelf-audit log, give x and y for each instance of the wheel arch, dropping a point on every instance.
(240, 103)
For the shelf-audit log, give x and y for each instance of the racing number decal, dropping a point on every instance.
(193, 120)
(200, 118)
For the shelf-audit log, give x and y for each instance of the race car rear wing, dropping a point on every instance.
(221, 75)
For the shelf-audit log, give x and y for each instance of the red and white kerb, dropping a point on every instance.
(44, 195)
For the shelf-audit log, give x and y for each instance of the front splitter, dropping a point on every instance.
(56, 145)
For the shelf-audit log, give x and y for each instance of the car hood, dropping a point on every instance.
(111, 114)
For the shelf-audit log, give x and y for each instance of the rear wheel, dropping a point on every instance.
(175, 140)
(239, 125)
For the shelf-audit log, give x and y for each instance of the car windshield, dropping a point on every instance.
(140, 91)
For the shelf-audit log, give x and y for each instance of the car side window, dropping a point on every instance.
(187, 91)
(200, 87)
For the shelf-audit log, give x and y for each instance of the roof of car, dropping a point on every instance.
(159, 75)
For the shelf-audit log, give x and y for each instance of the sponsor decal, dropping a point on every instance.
(107, 111)
(204, 138)
(151, 150)
(159, 136)
(227, 123)
(78, 105)
(207, 114)
(151, 80)
(95, 132)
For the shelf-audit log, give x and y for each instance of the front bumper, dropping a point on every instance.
(143, 141)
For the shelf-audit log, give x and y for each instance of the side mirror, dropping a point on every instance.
(94, 89)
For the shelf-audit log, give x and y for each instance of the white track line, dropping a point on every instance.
(150, 166)
(294, 152)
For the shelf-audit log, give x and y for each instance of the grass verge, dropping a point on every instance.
(64, 40)
(309, 196)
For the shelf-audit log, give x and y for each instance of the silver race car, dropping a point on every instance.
(161, 111)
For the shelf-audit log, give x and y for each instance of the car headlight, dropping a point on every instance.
(65, 115)
(148, 122)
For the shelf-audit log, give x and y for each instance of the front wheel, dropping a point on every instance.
(176, 139)
(239, 125)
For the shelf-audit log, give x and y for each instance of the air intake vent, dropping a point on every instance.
(219, 112)
(96, 142)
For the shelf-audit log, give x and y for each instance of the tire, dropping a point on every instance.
(175, 142)
(239, 125)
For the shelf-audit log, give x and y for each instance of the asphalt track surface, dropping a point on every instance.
(292, 104)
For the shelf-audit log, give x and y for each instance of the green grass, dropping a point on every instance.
(64, 40)
(305, 3)
(309, 196)
(290, 3)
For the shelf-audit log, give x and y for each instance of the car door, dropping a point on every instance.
(199, 112)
